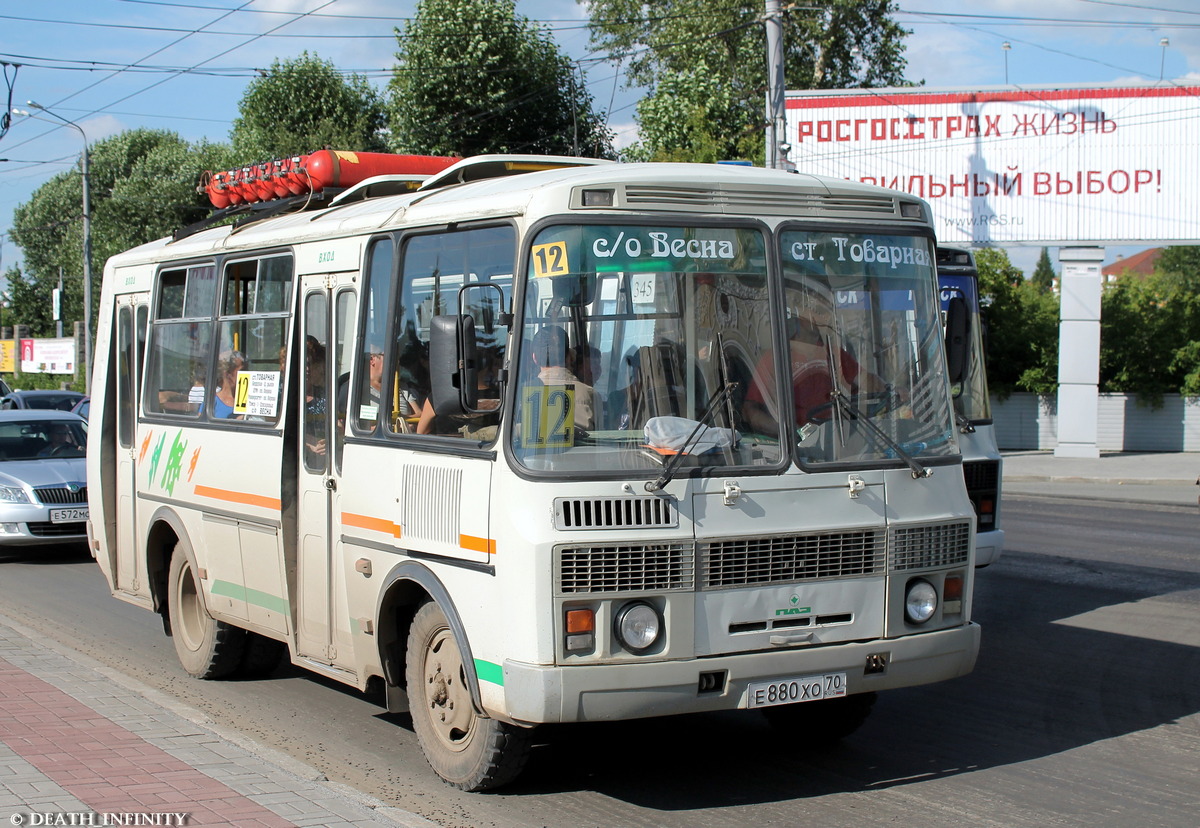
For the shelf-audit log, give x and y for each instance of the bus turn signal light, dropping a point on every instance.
(581, 629)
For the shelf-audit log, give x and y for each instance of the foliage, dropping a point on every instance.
(305, 104)
(1043, 274)
(44, 382)
(1022, 327)
(690, 120)
(474, 77)
(142, 185)
(1150, 336)
(681, 49)
(1184, 260)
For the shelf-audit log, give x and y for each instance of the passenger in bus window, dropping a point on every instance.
(228, 366)
(314, 398)
(819, 364)
(551, 355)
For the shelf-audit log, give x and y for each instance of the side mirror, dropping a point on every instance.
(453, 364)
(958, 339)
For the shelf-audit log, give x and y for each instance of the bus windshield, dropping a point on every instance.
(868, 373)
(970, 391)
(638, 345)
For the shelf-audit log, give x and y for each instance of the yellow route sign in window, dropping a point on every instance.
(550, 259)
(548, 416)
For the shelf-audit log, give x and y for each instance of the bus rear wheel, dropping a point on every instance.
(467, 750)
(207, 648)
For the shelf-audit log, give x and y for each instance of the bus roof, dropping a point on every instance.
(487, 186)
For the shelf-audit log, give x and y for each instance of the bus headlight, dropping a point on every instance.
(638, 626)
(920, 601)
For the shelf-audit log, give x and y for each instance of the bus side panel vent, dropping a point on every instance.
(574, 513)
(431, 496)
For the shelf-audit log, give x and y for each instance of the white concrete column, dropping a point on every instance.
(1079, 351)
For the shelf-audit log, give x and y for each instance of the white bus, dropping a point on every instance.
(515, 447)
(959, 284)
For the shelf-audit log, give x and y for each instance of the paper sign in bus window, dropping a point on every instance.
(548, 416)
(256, 393)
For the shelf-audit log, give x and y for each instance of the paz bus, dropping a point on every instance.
(511, 444)
(958, 281)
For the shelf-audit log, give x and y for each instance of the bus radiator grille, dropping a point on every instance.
(739, 562)
(654, 567)
(929, 546)
(614, 513)
(982, 475)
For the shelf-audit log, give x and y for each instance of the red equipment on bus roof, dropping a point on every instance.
(314, 172)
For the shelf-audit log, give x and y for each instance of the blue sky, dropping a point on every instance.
(111, 65)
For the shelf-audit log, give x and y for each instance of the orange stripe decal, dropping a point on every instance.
(373, 523)
(477, 544)
(244, 498)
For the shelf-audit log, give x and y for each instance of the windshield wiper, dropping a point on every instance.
(840, 401)
(714, 405)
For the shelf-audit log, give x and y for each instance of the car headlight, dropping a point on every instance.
(13, 494)
(638, 626)
(920, 601)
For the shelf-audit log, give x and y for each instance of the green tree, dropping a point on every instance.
(304, 104)
(142, 185)
(681, 49)
(1043, 274)
(474, 77)
(1022, 327)
(1150, 336)
(1184, 260)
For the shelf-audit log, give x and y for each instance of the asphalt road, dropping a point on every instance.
(1084, 709)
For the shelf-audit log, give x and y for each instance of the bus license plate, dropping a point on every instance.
(799, 689)
(76, 515)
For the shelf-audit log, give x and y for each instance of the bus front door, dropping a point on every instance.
(322, 628)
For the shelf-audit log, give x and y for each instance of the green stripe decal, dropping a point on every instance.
(250, 596)
(489, 672)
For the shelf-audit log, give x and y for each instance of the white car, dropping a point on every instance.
(43, 477)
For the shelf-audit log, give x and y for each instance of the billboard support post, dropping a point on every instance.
(1079, 351)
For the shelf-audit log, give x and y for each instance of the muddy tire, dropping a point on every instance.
(207, 648)
(260, 656)
(468, 751)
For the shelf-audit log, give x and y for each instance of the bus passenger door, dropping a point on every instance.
(130, 575)
(322, 633)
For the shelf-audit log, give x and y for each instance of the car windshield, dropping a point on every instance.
(41, 439)
(638, 345)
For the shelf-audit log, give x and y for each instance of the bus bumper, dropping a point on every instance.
(988, 546)
(586, 693)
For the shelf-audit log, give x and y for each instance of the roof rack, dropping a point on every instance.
(260, 210)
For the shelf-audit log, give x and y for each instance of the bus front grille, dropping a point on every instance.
(614, 513)
(930, 545)
(738, 562)
(657, 567)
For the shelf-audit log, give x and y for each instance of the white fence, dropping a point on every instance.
(1030, 421)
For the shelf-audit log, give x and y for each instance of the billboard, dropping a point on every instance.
(1028, 166)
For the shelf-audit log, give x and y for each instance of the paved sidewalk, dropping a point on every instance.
(81, 744)
(1167, 478)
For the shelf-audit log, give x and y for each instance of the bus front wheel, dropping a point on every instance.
(207, 648)
(468, 751)
(822, 722)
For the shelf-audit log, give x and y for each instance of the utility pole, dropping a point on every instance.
(776, 123)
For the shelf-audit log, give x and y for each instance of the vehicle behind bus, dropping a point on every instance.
(544, 440)
(958, 281)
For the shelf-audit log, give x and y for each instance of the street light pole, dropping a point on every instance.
(87, 242)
